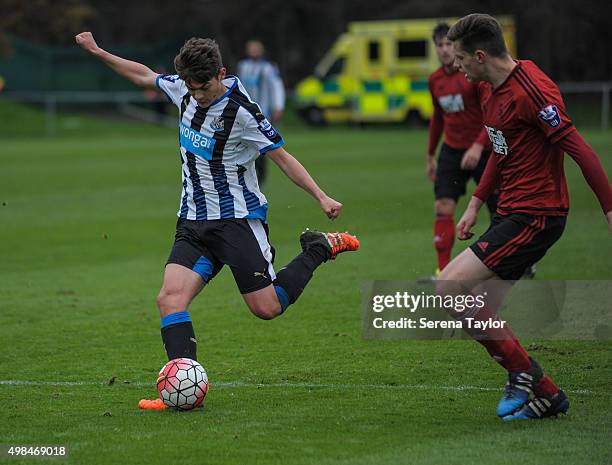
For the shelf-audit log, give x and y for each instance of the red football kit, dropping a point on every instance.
(529, 129)
(457, 111)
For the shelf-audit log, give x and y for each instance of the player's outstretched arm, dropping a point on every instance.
(294, 170)
(135, 72)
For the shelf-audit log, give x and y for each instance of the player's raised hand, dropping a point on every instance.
(466, 223)
(331, 207)
(86, 41)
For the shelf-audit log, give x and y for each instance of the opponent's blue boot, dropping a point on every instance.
(542, 407)
(519, 389)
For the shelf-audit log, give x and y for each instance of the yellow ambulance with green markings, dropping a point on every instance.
(377, 72)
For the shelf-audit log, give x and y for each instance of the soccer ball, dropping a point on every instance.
(182, 384)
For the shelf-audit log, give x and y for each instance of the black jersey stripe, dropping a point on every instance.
(538, 102)
(532, 84)
(254, 110)
(534, 209)
(217, 169)
(198, 118)
(526, 83)
(184, 205)
(250, 106)
(184, 103)
(199, 196)
(252, 201)
(560, 133)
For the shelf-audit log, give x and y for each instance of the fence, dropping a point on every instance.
(600, 87)
(588, 102)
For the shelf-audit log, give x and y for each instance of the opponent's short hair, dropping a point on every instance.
(479, 31)
(198, 60)
(439, 32)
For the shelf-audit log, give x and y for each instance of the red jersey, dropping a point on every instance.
(524, 117)
(456, 111)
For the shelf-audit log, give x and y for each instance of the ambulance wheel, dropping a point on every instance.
(414, 119)
(314, 116)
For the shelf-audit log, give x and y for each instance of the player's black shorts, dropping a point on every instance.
(242, 244)
(451, 180)
(516, 241)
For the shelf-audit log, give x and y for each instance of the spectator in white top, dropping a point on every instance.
(262, 81)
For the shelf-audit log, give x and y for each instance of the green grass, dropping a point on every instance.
(87, 220)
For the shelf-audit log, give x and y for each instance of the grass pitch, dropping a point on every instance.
(87, 223)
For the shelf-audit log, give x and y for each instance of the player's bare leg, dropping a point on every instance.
(466, 267)
(263, 303)
(179, 288)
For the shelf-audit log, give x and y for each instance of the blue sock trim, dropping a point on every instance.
(174, 318)
(283, 298)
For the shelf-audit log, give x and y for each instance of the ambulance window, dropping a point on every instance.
(335, 69)
(412, 49)
(374, 51)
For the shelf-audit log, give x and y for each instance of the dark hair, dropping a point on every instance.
(198, 60)
(479, 31)
(440, 31)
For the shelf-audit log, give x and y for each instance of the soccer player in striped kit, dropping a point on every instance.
(222, 213)
(264, 84)
(526, 121)
(458, 115)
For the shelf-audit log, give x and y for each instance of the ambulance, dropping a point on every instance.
(377, 72)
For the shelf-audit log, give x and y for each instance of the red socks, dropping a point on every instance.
(546, 387)
(501, 343)
(444, 236)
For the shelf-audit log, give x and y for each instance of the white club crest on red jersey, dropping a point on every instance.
(500, 146)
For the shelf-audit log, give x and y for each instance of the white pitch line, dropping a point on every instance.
(240, 384)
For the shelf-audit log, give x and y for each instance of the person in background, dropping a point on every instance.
(264, 84)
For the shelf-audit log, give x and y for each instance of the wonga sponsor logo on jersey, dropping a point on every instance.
(196, 142)
(500, 146)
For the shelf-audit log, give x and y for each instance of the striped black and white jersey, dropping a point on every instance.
(262, 81)
(218, 147)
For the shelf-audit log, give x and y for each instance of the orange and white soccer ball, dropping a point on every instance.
(182, 384)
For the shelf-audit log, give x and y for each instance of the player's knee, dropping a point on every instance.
(445, 207)
(169, 300)
(266, 311)
(449, 273)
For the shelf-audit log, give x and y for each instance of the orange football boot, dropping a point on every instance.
(156, 404)
(335, 242)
